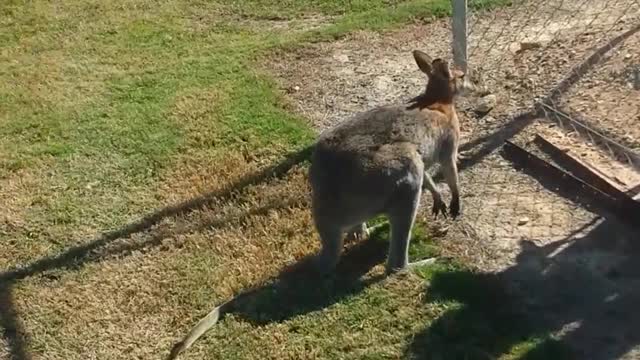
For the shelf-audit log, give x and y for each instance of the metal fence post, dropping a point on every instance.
(459, 25)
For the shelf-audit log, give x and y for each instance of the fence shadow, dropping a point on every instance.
(479, 148)
(579, 287)
(12, 330)
(78, 255)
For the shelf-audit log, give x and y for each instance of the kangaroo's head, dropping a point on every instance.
(444, 83)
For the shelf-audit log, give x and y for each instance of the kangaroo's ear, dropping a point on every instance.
(423, 60)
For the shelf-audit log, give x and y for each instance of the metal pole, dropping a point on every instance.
(459, 25)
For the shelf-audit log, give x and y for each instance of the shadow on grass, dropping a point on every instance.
(588, 282)
(94, 250)
(561, 289)
(76, 256)
(297, 290)
(480, 323)
(12, 329)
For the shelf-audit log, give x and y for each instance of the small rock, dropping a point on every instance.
(91, 185)
(486, 103)
(343, 58)
(523, 221)
(628, 56)
(529, 45)
(514, 48)
(296, 88)
(518, 47)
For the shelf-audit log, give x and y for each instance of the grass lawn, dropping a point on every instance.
(130, 135)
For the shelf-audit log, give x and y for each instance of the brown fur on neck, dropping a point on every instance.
(438, 96)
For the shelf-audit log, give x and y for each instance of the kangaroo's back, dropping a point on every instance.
(362, 147)
(379, 140)
(381, 125)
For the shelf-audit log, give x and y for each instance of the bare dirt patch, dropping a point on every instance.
(512, 226)
(608, 96)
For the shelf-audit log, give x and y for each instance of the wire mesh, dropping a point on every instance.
(571, 64)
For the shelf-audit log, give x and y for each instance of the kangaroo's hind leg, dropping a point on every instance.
(331, 239)
(401, 217)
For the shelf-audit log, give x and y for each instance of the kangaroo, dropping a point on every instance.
(375, 164)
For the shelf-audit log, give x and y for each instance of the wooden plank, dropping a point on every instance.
(610, 178)
(567, 119)
(569, 186)
(579, 169)
(634, 191)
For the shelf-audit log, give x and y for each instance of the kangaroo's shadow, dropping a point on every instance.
(298, 290)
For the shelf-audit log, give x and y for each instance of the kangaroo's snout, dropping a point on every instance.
(467, 87)
(472, 86)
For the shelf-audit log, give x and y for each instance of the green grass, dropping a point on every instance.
(396, 10)
(111, 110)
(269, 9)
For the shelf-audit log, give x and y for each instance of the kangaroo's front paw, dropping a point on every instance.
(439, 207)
(463, 156)
(454, 208)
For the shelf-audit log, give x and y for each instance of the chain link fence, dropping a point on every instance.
(552, 162)
(563, 91)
